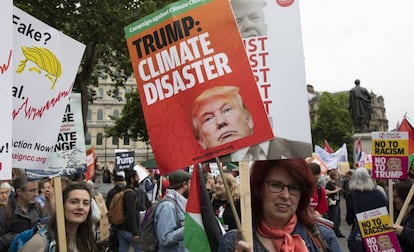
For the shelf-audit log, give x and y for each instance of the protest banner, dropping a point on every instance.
(69, 155)
(275, 53)
(272, 38)
(124, 159)
(45, 65)
(332, 159)
(389, 155)
(6, 68)
(182, 56)
(375, 234)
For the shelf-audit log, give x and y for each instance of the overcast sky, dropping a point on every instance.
(372, 40)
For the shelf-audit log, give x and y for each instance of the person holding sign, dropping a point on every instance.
(362, 190)
(282, 221)
(405, 231)
(219, 116)
(78, 222)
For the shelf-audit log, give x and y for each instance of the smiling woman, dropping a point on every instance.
(281, 191)
(221, 203)
(78, 224)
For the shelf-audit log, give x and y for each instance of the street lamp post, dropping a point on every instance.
(105, 143)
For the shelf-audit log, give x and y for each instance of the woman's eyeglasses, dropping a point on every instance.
(277, 187)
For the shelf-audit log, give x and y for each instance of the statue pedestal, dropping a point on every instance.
(366, 142)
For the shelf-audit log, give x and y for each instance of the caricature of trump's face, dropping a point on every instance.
(221, 118)
(394, 164)
(384, 242)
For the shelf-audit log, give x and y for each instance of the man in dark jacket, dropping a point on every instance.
(128, 231)
(119, 184)
(21, 213)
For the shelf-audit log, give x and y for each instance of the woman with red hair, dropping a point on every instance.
(280, 195)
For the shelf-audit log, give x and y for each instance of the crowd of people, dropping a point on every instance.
(291, 201)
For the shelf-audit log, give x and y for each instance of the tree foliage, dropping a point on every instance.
(131, 122)
(334, 121)
(99, 25)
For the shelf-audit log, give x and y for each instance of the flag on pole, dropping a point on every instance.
(358, 153)
(202, 231)
(327, 147)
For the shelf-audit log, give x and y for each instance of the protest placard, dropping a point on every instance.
(274, 47)
(6, 68)
(272, 37)
(192, 76)
(45, 65)
(69, 155)
(124, 159)
(389, 155)
(376, 235)
(90, 163)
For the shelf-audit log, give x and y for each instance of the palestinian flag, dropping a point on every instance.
(202, 231)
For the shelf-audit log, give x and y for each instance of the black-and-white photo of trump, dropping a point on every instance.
(250, 17)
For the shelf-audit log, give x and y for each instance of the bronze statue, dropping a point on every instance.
(360, 107)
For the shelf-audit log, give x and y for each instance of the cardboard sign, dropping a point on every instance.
(69, 152)
(273, 43)
(197, 90)
(389, 155)
(90, 163)
(45, 65)
(6, 68)
(375, 234)
(124, 160)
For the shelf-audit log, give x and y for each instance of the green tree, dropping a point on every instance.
(99, 25)
(131, 122)
(334, 122)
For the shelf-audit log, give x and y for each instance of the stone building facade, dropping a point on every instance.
(98, 120)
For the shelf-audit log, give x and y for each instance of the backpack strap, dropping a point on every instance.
(125, 190)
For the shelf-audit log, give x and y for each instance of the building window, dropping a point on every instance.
(126, 140)
(115, 141)
(100, 93)
(127, 91)
(88, 138)
(89, 116)
(116, 113)
(99, 138)
(100, 115)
